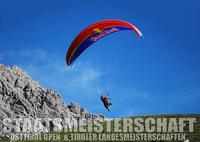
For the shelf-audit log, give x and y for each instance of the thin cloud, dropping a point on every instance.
(36, 54)
(86, 77)
(53, 72)
(130, 92)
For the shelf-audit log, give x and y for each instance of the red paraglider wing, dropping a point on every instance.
(93, 33)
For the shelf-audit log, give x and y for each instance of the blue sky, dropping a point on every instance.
(155, 75)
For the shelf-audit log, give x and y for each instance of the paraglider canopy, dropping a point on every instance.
(93, 33)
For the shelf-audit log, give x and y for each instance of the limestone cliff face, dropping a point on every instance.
(20, 96)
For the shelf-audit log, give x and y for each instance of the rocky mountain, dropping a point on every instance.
(20, 96)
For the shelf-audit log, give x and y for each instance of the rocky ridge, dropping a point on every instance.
(20, 96)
